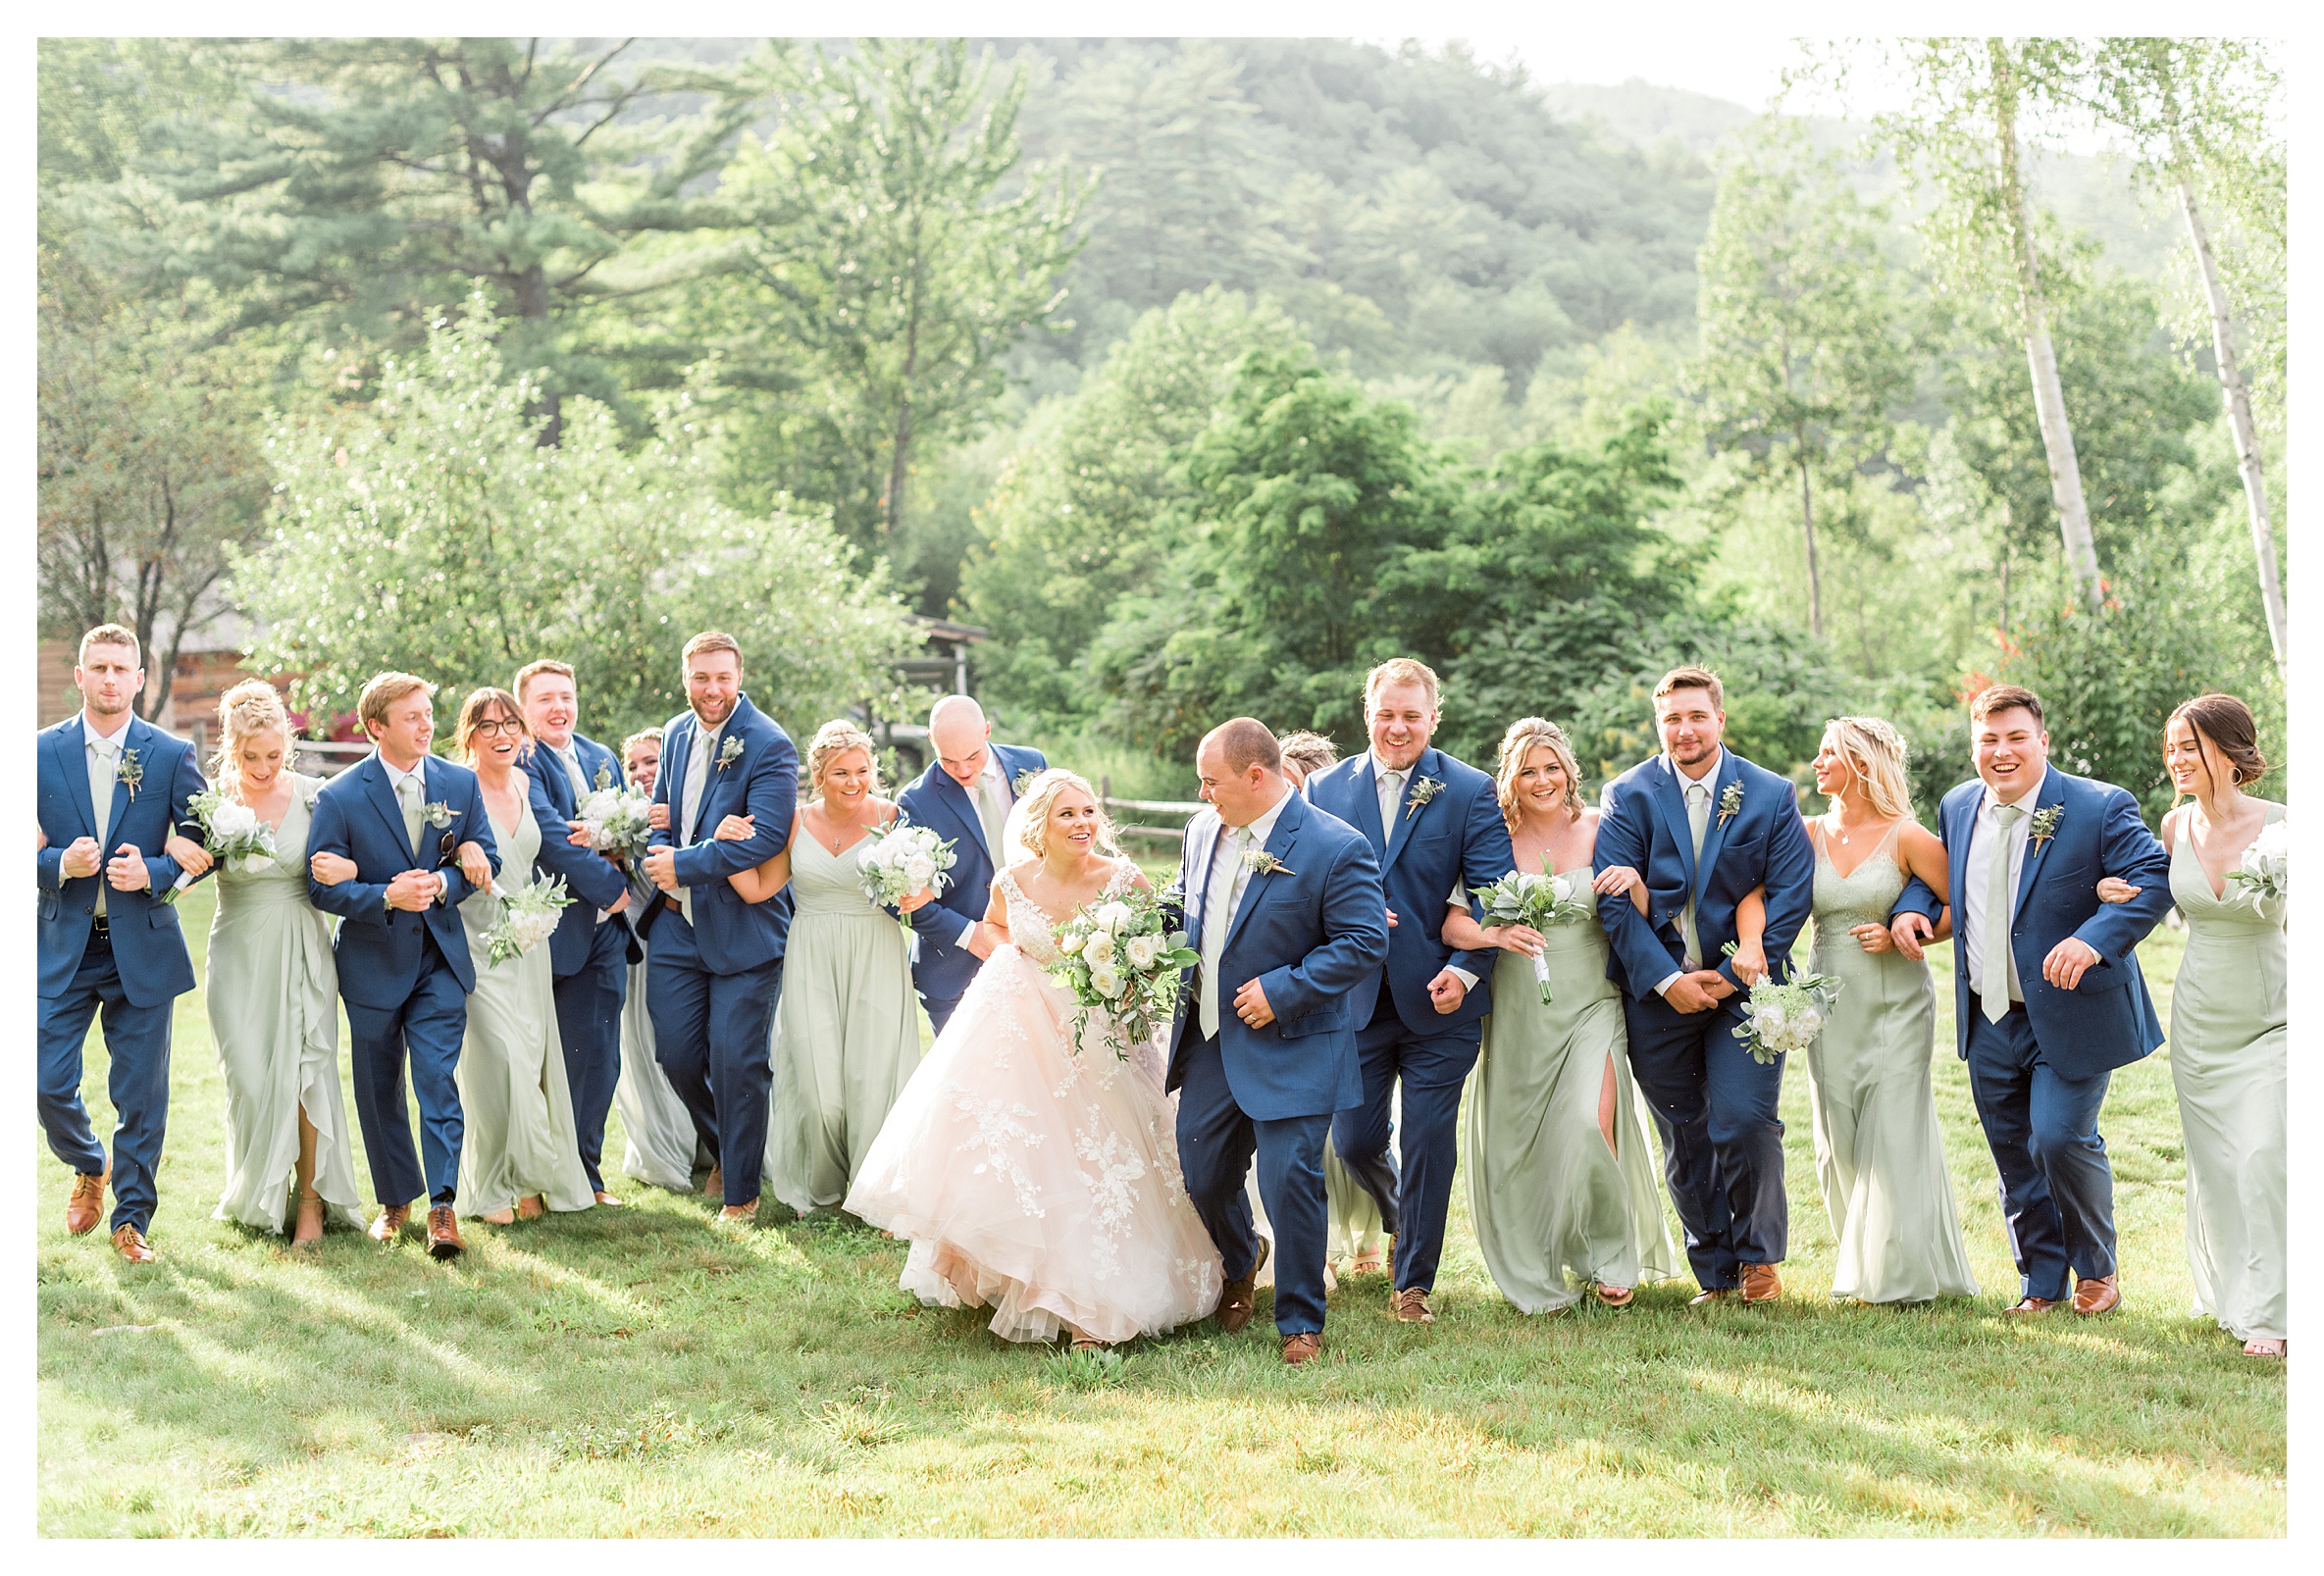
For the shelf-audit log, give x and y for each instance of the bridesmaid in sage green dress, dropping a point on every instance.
(846, 1032)
(2229, 1027)
(1880, 1156)
(520, 1153)
(1561, 1180)
(273, 995)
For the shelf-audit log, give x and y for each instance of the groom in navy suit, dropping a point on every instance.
(965, 796)
(113, 789)
(2047, 995)
(1284, 901)
(1704, 828)
(589, 956)
(401, 814)
(714, 963)
(1435, 825)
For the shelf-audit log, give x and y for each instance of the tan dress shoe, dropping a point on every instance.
(390, 1224)
(130, 1243)
(87, 1205)
(2096, 1295)
(2026, 1307)
(1241, 1296)
(739, 1214)
(1713, 1294)
(714, 1183)
(1410, 1307)
(443, 1234)
(606, 1200)
(1302, 1347)
(1761, 1283)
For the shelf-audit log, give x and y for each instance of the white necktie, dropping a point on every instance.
(1994, 942)
(990, 815)
(1698, 819)
(103, 754)
(1391, 787)
(1219, 912)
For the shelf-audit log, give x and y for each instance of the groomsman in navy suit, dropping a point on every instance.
(1284, 902)
(1434, 824)
(590, 952)
(1705, 828)
(401, 814)
(714, 963)
(112, 791)
(965, 796)
(2047, 996)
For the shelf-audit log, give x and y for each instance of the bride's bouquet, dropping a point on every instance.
(1539, 899)
(615, 819)
(2265, 866)
(1781, 1018)
(1122, 959)
(529, 916)
(232, 833)
(902, 861)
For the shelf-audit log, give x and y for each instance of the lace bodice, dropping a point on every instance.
(1030, 927)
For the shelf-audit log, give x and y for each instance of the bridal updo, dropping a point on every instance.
(248, 709)
(834, 739)
(1028, 822)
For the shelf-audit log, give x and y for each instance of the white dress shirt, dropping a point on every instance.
(103, 754)
(699, 758)
(1390, 783)
(1969, 903)
(991, 782)
(1703, 781)
(419, 779)
(1222, 894)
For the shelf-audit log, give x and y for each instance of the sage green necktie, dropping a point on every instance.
(1996, 940)
(408, 795)
(1698, 821)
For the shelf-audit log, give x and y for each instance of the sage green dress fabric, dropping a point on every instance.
(1548, 1198)
(1880, 1158)
(1351, 1217)
(516, 1107)
(273, 999)
(2227, 1040)
(846, 1032)
(659, 1144)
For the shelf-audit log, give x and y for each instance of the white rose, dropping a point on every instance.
(1109, 983)
(1773, 1021)
(599, 805)
(1111, 918)
(1562, 886)
(257, 864)
(1099, 949)
(920, 870)
(1069, 943)
(1810, 1025)
(1143, 950)
(234, 820)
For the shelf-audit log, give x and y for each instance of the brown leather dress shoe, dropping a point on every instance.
(1302, 1347)
(130, 1243)
(1241, 1297)
(1410, 1307)
(86, 1206)
(714, 1183)
(739, 1214)
(1761, 1283)
(1713, 1294)
(2029, 1307)
(390, 1224)
(2099, 1295)
(443, 1234)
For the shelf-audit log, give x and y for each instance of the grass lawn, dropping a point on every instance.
(635, 1371)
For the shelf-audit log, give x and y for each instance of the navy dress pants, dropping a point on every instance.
(427, 1029)
(138, 1077)
(710, 1036)
(2057, 1189)
(1723, 1144)
(1216, 1143)
(1414, 1198)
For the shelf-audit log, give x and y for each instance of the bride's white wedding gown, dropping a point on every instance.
(1034, 1178)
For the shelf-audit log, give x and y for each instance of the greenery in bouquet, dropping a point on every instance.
(529, 916)
(232, 833)
(1537, 900)
(904, 859)
(1121, 959)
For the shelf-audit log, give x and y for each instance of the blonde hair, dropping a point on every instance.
(1524, 735)
(1029, 820)
(249, 708)
(644, 735)
(472, 712)
(1399, 669)
(383, 691)
(710, 640)
(110, 634)
(834, 739)
(1311, 752)
(1875, 753)
(534, 670)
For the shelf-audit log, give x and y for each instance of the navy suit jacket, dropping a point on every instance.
(2108, 1021)
(1457, 839)
(381, 949)
(148, 944)
(1308, 934)
(1764, 842)
(761, 781)
(934, 801)
(594, 881)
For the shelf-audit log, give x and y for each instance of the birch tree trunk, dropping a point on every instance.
(2239, 416)
(1807, 521)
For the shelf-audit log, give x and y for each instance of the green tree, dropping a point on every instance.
(430, 531)
(1802, 350)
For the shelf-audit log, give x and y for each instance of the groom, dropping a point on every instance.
(1287, 903)
(714, 964)
(1705, 828)
(2047, 989)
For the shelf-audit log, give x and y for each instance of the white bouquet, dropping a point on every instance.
(529, 916)
(1788, 1017)
(1539, 899)
(902, 861)
(232, 833)
(615, 819)
(1121, 958)
(2264, 868)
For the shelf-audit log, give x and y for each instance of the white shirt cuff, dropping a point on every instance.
(444, 884)
(1467, 978)
(1663, 988)
(967, 929)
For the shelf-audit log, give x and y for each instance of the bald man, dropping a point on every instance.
(966, 796)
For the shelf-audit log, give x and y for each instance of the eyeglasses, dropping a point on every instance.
(489, 728)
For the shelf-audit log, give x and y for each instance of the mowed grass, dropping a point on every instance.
(636, 1371)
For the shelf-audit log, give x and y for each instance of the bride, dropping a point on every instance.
(1033, 1174)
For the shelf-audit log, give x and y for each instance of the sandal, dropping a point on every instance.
(2264, 1347)
(1370, 1261)
(498, 1218)
(1613, 1296)
(310, 1211)
(1089, 1343)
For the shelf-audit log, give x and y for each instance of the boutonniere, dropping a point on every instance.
(1730, 803)
(437, 813)
(1262, 863)
(1423, 788)
(2044, 825)
(1022, 781)
(129, 771)
(729, 753)
(604, 777)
